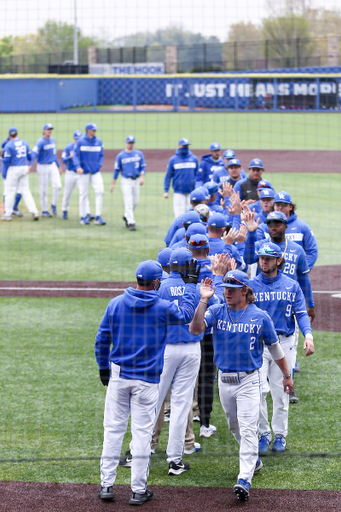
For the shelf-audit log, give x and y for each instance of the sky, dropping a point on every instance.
(111, 19)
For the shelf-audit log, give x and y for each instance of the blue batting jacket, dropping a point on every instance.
(182, 171)
(207, 168)
(88, 154)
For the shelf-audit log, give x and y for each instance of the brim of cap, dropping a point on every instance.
(229, 285)
(268, 255)
(275, 220)
(282, 201)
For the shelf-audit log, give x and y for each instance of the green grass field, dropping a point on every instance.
(54, 249)
(314, 131)
(52, 408)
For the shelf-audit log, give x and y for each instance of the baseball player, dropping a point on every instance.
(182, 170)
(88, 159)
(247, 189)
(163, 258)
(193, 229)
(16, 165)
(71, 177)
(231, 173)
(282, 298)
(12, 133)
(186, 218)
(240, 329)
(48, 166)
(209, 164)
(266, 201)
(135, 323)
(297, 230)
(132, 165)
(235, 175)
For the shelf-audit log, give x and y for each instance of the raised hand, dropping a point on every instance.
(206, 290)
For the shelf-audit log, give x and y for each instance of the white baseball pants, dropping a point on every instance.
(294, 350)
(131, 193)
(139, 398)
(18, 189)
(181, 203)
(280, 400)
(98, 186)
(241, 406)
(48, 172)
(181, 367)
(17, 178)
(72, 179)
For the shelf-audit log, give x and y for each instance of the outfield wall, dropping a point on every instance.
(171, 93)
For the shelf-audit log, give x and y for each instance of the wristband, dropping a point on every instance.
(289, 377)
(309, 336)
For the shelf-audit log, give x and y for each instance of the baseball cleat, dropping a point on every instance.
(99, 221)
(279, 444)
(259, 465)
(84, 221)
(264, 442)
(297, 368)
(6, 217)
(195, 448)
(106, 493)
(54, 209)
(293, 398)
(196, 418)
(139, 499)
(126, 460)
(46, 214)
(166, 417)
(90, 217)
(65, 216)
(125, 220)
(207, 431)
(132, 227)
(35, 216)
(17, 213)
(242, 489)
(177, 469)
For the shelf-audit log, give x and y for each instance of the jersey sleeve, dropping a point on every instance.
(262, 231)
(269, 333)
(301, 313)
(76, 155)
(210, 317)
(36, 150)
(142, 164)
(200, 175)
(310, 246)
(103, 342)
(169, 175)
(304, 282)
(65, 154)
(101, 157)
(118, 166)
(250, 248)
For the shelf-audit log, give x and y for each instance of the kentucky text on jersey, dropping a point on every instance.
(223, 325)
(131, 164)
(46, 151)
(267, 296)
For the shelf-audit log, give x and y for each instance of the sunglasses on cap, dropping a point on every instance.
(194, 243)
(268, 251)
(232, 280)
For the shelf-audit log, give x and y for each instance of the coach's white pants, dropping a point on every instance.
(294, 350)
(48, 172)
(83, 186)
(139, 398)
(131, 193)
(72, 179)
(280, 400)
(181, 367)
(241, 406)
(181, 203)
(17, 178)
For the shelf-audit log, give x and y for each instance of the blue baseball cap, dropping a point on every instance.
(283, 197)
(12, 130)
(199, 194)
(212, 187)
(184, 142)
(48, 126)
(77, 134)
(130, 138)
(198, 242)
(256, 163)
(149, 270)
(270, 249)
(214, 146)
(217, 220)
(163, 256)
(235, 279)
(229, 153)
(91, 126)
(191, 217)
(197, 228)
(234, 161)
(180, 256)
(267, 193)
(279, 216)
(264, 184)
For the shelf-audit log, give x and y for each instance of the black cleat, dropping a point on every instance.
(139, 499)
(177, 469)
(106, 493)
(126, 460)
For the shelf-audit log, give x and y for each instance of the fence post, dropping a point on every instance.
(134, 54)
(121, 55)
(266, 53)
(317, 94)
(236, 106)
(235, 55)
(298, 60)
(134, 93)
(145, 53)
(204, 56)
(274, 105)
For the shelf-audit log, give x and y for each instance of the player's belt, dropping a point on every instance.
(131, 178)
(229, 377)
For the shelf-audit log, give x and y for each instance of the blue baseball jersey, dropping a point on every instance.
(295, 267)
(207, 168)
(178, 236)
(222, 175)
(281, 297)
(45, 150)
(88, 154)
(67, 157)
(16, 153)
(135, 324)
(298, 231)
(130, 164)
(182, 171)
(239, 337)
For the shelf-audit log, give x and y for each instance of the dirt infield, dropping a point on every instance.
(326, 284)
(274, 160)
(52, 497)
